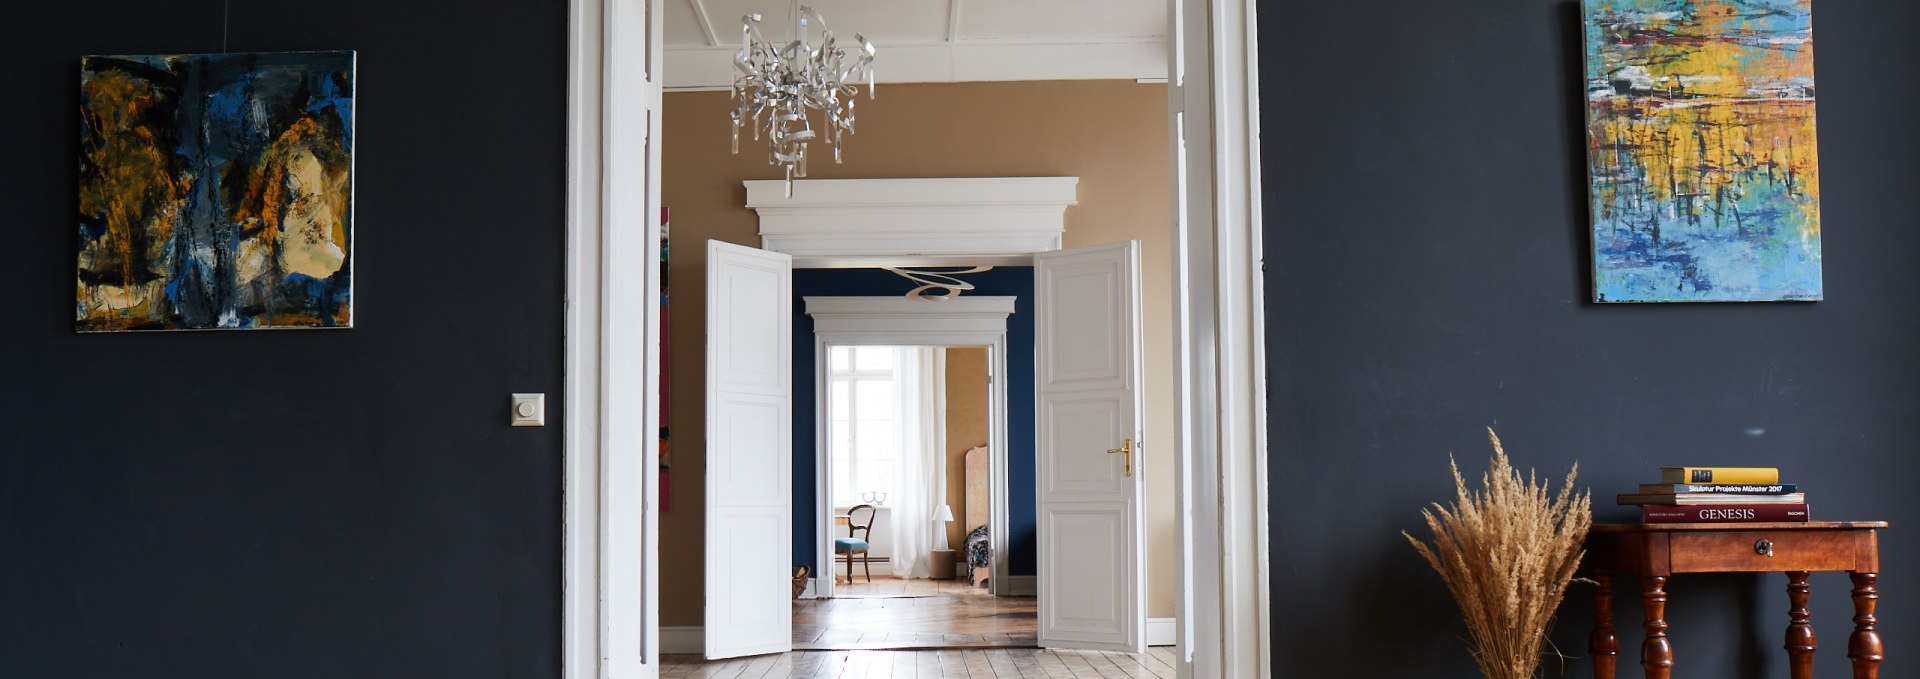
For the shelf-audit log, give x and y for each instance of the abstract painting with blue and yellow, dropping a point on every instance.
(1704, 172)
(216, 191)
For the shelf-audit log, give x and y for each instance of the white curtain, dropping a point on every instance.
(921, 484)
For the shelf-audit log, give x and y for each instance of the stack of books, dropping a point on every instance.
(1719, 495)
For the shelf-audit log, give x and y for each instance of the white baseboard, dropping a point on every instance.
(1162, 632)
(1023, 585)
(882, 566)
(690, 639)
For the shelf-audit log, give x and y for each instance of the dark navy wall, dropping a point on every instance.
(1004, 281)
(297, 503)
(1428, 271)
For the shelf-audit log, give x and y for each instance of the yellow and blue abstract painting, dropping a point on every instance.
(216, 191)
(1701, 157)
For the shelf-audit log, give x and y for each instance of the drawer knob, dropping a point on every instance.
(1764, 547)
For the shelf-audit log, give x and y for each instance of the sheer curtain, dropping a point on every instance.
(921, 484)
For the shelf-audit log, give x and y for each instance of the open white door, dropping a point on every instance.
(749, 451)
(1092, 523)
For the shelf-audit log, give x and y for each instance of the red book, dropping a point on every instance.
(1737, 513)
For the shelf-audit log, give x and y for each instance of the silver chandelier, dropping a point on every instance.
(776, 86)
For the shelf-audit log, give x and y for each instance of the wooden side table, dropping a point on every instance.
(941, 564)
(1654, 552)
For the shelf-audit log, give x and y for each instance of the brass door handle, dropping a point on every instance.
(1126, 455)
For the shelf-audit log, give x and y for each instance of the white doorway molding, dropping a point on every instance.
(971, 321)
(971, 221)
(1223, 602)
(609, 550)
(610, 598)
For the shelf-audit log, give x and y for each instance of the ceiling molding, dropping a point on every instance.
(998, 221)
(962, 61)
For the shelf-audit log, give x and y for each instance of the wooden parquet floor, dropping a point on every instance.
(883, 586)
(893, 614)
(997, 663)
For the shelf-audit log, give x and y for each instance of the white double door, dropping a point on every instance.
(1087, 366)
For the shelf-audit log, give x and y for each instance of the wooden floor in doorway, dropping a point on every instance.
(998, 663)
(884, 586)
(895, 614)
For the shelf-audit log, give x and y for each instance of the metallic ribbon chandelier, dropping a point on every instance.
(777, 85)
(936, 285)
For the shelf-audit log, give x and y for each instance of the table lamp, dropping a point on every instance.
(940, 536)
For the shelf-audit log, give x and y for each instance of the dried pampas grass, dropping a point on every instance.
(1507, 553)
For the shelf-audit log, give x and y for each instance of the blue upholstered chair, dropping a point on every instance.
(853, 544)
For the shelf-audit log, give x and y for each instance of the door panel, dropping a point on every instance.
(749, 528)
(1092, 523)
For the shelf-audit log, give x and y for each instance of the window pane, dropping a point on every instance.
(876, 476)
(875, 358)
(837, 400)
(875, 440)
(874, 399)
(839, 441)
(840, 358)
(843, 489)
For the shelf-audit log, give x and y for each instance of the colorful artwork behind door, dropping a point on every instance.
(216, 191)
(1701, 156)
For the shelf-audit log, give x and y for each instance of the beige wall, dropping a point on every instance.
(1111, 134)
(967, 428)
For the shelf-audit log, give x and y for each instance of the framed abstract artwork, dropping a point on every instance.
(1701, 154)
(216, 191)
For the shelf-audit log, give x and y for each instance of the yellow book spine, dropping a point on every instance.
(1740, 475)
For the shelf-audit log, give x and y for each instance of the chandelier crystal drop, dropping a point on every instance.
(778, 85)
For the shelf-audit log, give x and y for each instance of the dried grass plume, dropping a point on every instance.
(1507, 552)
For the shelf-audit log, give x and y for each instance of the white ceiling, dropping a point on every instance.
(939, 40)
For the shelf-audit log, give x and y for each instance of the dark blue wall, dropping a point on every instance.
(1014, 282)
(1428, 269)
(339, 503)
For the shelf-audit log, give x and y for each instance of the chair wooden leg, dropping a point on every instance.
(866, 563)
(849, 568)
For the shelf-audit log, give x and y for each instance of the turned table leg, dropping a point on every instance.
(1800, 640)
(1604, 646)
(1864, 646)
(1656, 654)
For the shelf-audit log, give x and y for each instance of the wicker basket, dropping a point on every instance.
(800, 580)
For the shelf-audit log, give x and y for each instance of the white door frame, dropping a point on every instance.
(1221, 458)
(609, 579)
(611, 626)
(972, 321)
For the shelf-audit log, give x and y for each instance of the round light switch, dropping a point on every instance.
(529, 410)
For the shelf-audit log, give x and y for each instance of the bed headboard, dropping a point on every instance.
(979, 488)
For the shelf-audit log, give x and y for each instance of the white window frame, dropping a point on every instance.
(610, 625)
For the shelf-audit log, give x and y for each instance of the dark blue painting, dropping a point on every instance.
(216, 191)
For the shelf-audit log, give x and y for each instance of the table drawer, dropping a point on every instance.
(1709, 552)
